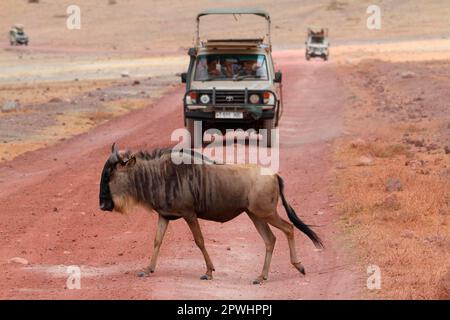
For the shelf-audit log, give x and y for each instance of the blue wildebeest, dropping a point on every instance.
(217, 192)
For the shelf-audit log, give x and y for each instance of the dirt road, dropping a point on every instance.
(49, 212)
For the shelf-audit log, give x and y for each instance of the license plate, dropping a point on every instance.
(229, 115)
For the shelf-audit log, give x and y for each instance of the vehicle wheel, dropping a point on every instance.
(196, 137)
(307, 57)
(268, 125)
(325, 58)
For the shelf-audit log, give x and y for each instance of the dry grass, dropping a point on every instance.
(405, 232)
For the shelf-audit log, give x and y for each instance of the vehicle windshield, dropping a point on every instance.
(234, 67)
(317, 40)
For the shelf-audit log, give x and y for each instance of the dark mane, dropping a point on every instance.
(154, 154)
(160, 152)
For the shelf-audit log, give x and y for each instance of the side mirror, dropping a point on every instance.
(278, 77)
(192, 52)
(183, 77)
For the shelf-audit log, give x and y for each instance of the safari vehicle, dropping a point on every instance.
(317, 44)
(231, 83)
(17, 36)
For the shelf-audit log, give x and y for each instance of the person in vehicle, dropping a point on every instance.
(202, 72)
(248, 68)
(212, 68)
(230, 67)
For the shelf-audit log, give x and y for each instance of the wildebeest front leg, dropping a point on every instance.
(198, 237)
(160, 231)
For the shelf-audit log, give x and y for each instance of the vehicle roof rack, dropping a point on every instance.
(234, 11)
(255, 11)
(233, 43)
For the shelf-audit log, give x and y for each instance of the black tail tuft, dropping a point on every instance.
(296, 220)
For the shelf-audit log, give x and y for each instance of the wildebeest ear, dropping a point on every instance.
(131, 161)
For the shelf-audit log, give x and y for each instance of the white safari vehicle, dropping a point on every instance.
(17, 36)
(317, 44)
(231, 83)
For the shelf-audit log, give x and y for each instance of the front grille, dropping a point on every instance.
(230, 97)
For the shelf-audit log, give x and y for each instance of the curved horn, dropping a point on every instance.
(115, 148)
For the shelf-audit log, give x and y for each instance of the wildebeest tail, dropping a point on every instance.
(296, 220)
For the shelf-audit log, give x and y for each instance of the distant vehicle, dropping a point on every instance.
(317, 44)
(17, 36)
(231, 83)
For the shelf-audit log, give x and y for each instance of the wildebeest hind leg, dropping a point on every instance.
(269, 240)
(198, 237)
(288, 229)
(160, 231)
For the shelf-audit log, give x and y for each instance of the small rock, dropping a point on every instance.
(447, 150)
(228, 248)
(407, 75)
(393, 184)
(125, 74)
(364, 161)
(357, 143)
(10, 106)
(408, 234)
(55, 209)
(136, 82)
(55, 100)
(18, 260)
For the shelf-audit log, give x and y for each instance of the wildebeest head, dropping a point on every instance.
(113, 186)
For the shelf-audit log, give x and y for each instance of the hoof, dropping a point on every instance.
(205, 277)
(300, 268)
(143, 274)
(259, 280)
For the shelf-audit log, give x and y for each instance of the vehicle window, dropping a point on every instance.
(231, 67)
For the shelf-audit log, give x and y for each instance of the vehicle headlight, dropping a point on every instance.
(204, 98)
(254, 98)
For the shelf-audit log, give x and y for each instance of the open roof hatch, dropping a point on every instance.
(237, 11)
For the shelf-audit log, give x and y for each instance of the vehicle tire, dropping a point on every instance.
(325, 58)
(196, 137)
(268, 125)
(307, 56)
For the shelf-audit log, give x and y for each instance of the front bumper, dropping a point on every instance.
(251, 112)
(209, 115)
